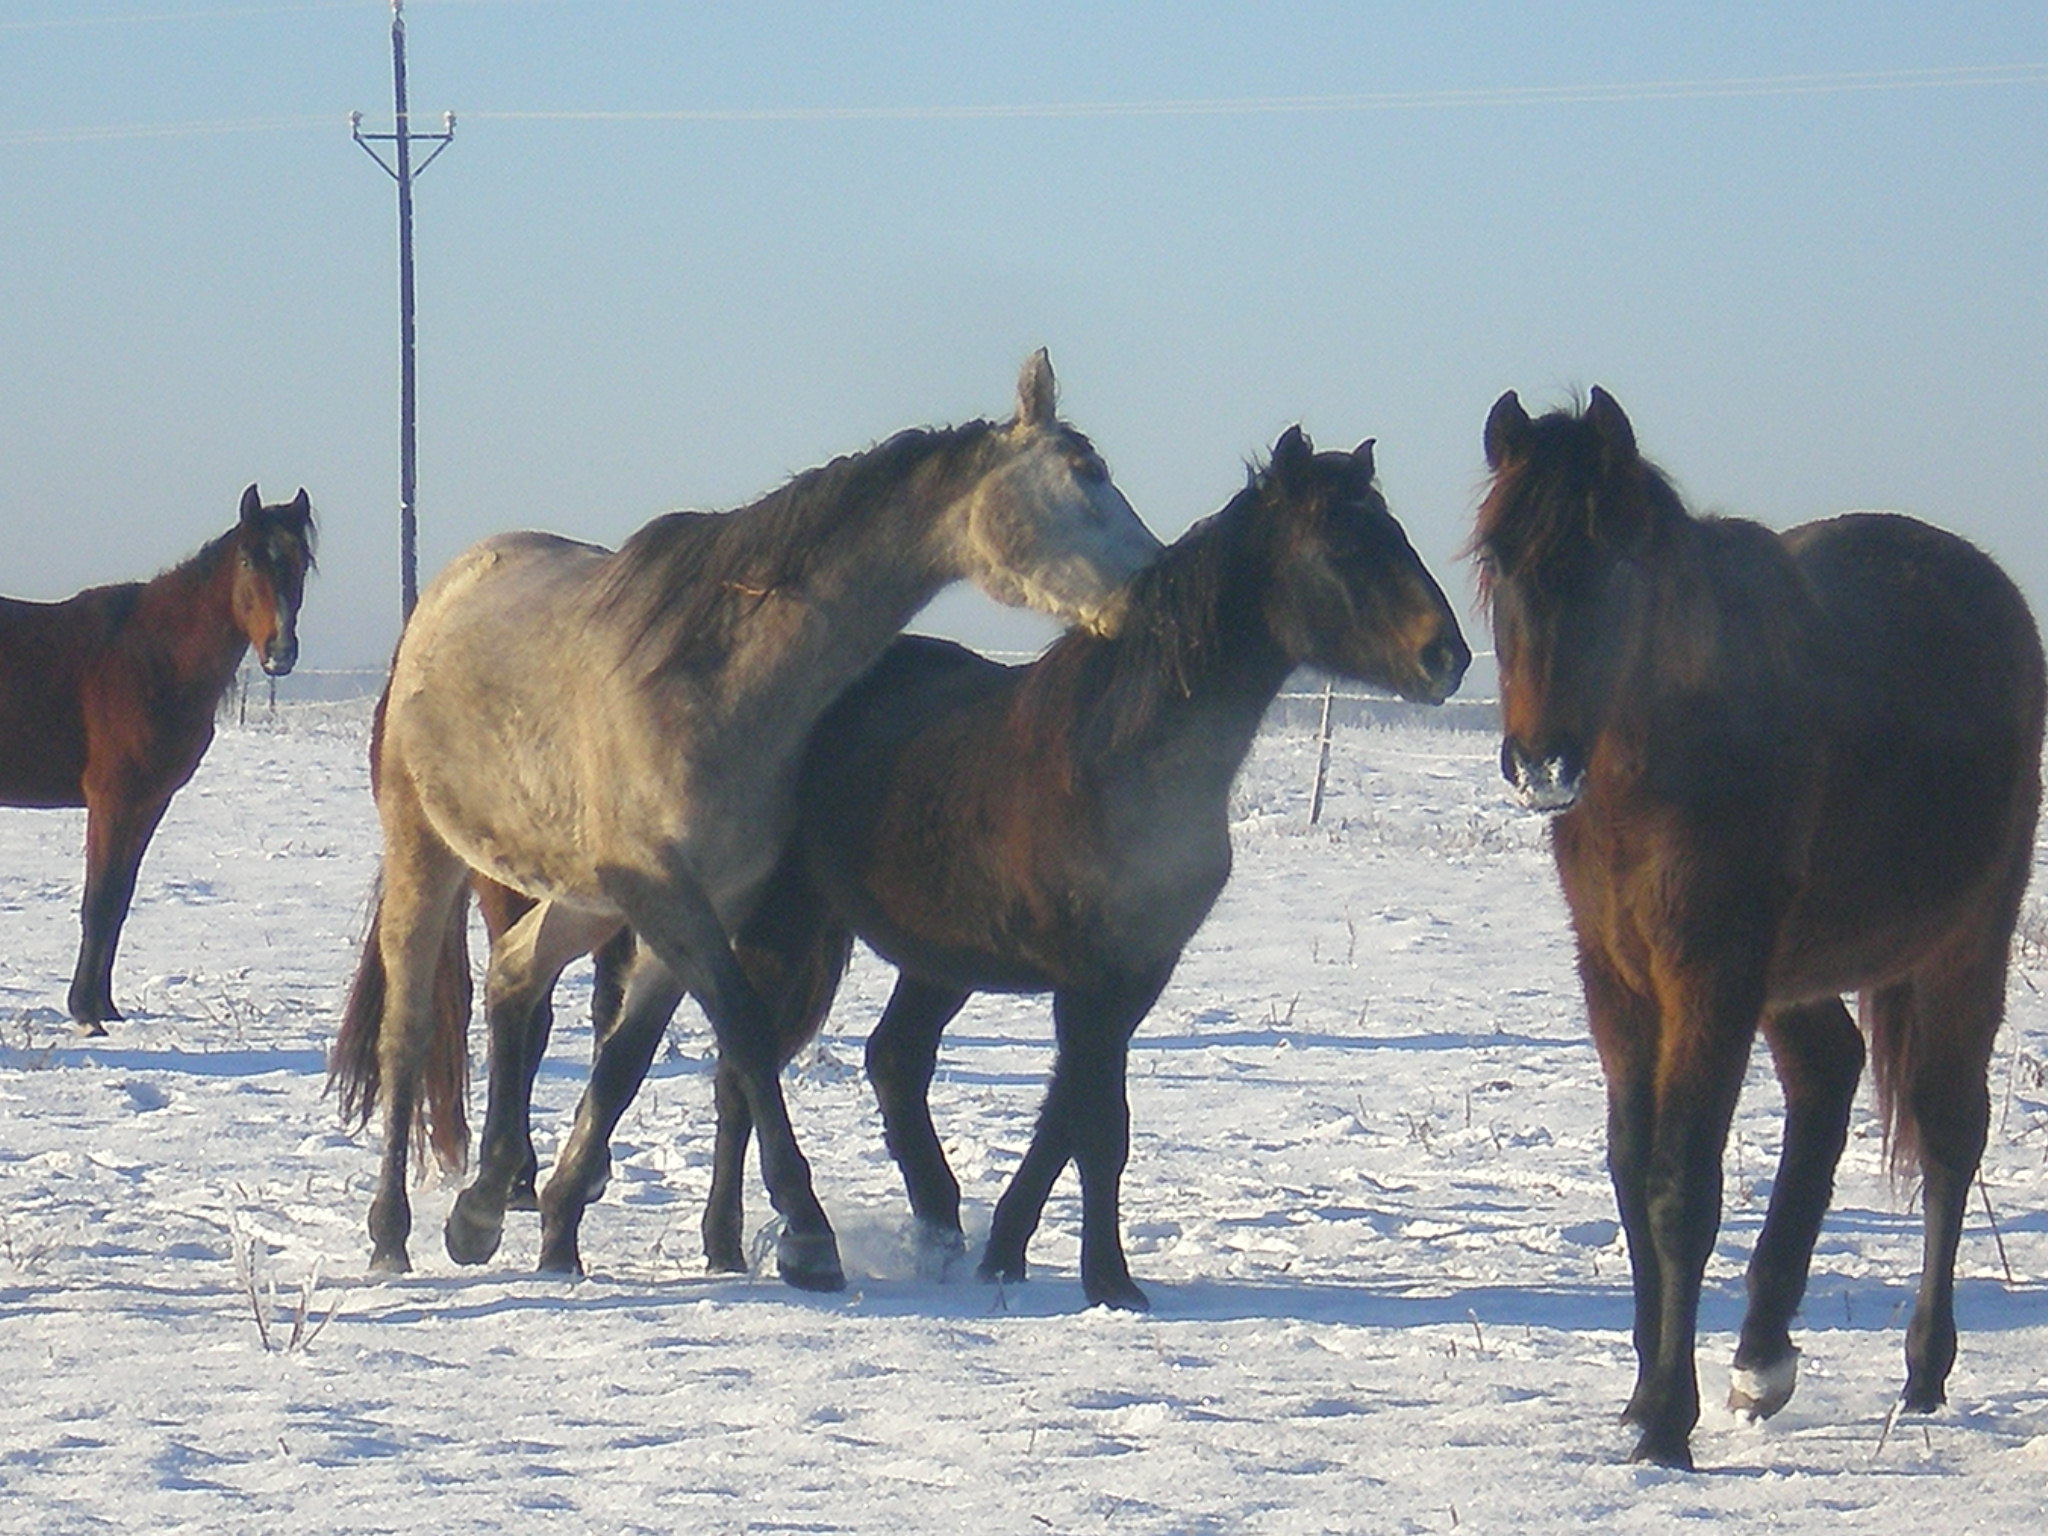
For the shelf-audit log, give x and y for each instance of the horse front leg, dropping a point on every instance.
(902, 1054)
(1086, 1118)
(621, 1064)
(1706, 1026)
(1094, 1031)
(678, 924)
(1819, 1058)
(116, 835)
(1624, 1028)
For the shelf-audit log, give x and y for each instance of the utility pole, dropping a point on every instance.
(402, 138)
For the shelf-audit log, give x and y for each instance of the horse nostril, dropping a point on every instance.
(1444, 661)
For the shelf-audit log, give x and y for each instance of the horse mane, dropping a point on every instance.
(273, 524)
(687, 577)
(1178, 614)
(1539, 503)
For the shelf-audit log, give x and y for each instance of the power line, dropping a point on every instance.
(166, 18)
(1869, 82)
(1384, 101)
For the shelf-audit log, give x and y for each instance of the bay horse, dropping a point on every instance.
(616, 735)
(1063, 827)
(1782, 767)
(107, 701)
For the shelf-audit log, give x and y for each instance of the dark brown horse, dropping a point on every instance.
(1785, 767)
(1062, 827)
(107, 701)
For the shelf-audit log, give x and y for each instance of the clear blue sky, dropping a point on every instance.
(1809, 295)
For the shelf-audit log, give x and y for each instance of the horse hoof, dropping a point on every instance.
(723, 1252)
(567, 1263)
(810, 1262)
(1123, 1297)
(937, 1249)
(472, 1235)
(91, 1029)
(1923, 1399)
(995, 1272)
(1757, 1392)
(522, 1197)
(390, 1261)
(1661, 1451)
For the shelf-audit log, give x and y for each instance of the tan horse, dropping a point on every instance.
(616, 735)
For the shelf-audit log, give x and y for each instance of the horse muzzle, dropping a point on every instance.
(1442, 667)
(279, 656)
(1549, 783)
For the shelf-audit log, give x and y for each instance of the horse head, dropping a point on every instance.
(273, 552)
(1348, 594)
(1560, 543)
(1045, 527)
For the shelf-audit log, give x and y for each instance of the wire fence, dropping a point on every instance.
(1299, 705)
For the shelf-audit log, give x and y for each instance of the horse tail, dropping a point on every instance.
(795, 950)
(1932, 1032)
(443, 1114)
(1889, 1016)
(355, 1070)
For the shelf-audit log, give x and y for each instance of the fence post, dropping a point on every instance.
(1315, 799)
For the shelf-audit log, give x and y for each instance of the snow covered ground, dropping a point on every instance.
(1366, 1194)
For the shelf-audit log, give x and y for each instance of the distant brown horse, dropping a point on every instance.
(107, 701)
(1784, 767)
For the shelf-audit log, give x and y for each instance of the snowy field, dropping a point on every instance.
(1366, 1194)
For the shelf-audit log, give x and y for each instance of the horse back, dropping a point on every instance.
(1930, 691)
(949, 816)
(52, 656)
(924, 820)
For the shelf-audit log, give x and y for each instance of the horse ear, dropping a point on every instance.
(1292, 452)
(1362, 456)
(251, 503)
(1036, 393)
(1507, 431)
(1610, 425)
(302, 504)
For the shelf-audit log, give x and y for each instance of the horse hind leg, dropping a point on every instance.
(902, 1055)
(526, 962)
(423, 898)
(1819, 1058)
(1934, 1033)
(794, 952)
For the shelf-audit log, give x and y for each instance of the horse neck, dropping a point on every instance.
(881, 544)
(187, 616)
(1725, 618)
(1194, 664)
